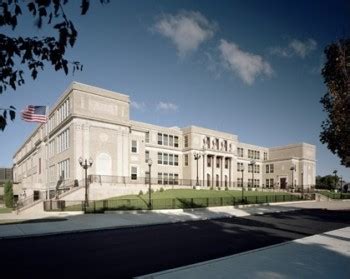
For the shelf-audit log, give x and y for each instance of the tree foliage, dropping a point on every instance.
(336, 102)
(328, 182)
(32, 53)
(8, 194)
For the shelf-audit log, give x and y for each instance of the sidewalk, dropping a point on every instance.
(47, 223)
(325, 255)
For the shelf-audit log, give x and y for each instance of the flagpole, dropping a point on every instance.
(47, 153)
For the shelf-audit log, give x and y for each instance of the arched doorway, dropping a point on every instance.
(103, 164)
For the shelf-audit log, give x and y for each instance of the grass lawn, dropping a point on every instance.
(334, 195)
(191, 193)
(182, 198)
(5, 210)
(188, 198)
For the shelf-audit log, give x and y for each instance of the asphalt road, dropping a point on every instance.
(129, 252)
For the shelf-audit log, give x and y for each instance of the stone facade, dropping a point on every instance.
(91, 122)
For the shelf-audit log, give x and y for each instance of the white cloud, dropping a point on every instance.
(295, 48)
(138, 106)
(247, 66)
(166, 106)
(187, 30)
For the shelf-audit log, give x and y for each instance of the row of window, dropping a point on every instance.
(215, 144)
(63, 170)
(168, 178)
(62, 143)
(253, 154)
(269, 168)
(256, 182)
(254, 168)
(168, 140)
(270, 182)
(61, 114)
(168, 159)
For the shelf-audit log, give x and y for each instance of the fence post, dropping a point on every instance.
(221, 201)
(173, 203)
(267, 200)
(275, 198)
(256, 199)
(207, 202)
(284, 197)
(233, 201)
(191, 202)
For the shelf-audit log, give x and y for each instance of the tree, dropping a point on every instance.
(8, 194)
(336, 102)
(33, 53)
(328, 182)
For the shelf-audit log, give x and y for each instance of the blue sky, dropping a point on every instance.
(251, 68)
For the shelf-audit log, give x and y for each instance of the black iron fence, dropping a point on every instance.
(140, 203)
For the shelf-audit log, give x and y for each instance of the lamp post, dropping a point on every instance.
(196, 157)
(293, 168)
(85, 165)
(242, 170)
(252, 162)
(149, 184)
(335, 178)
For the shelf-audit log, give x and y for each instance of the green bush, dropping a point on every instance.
(161, 189)
(226, 188)
(140, 193)
(8, 194)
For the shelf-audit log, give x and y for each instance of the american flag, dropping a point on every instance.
(34, 114)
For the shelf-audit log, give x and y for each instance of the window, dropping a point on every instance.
(165, 178)
(134, 146)
(176, 141)
(272, 182)
(257, 168)
(250, 168)
(217, 162)
(176, 179)
(63, 141)
(160, 139)
(209, 161)
(133, 173)
(225, 145)
(226, 163)
(63, 170)
(267, 168)
(257, 155)
(147, 137)
(208, 142)
(160, 160)
(217, 144)
(146, 156)
(171, 179)
(271, 168)
(265, 156)
(160, 178)
(186, 141)
(176, 160)
(147, 177)
(171, 140)
(165, 140)
(186, 160)
(239, 182)
(256, 182)
(239, 166)
(267, 183)
(52, 148)
(165, 158)
(171, 159)
(239, 152)
(249, 182)
(39, 165)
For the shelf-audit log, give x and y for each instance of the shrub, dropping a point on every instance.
(8, 194)
(226, 188)
(211, 188)
(140, 193)
(161, 189)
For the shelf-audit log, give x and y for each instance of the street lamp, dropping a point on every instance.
(335, 178)
(252, 163)
(196, 157)
(85, 165)
(293, 168)
(242, 170)
(149, 184)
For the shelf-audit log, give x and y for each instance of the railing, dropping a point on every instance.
(336, 196)
(27, 202)
(175, 203)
